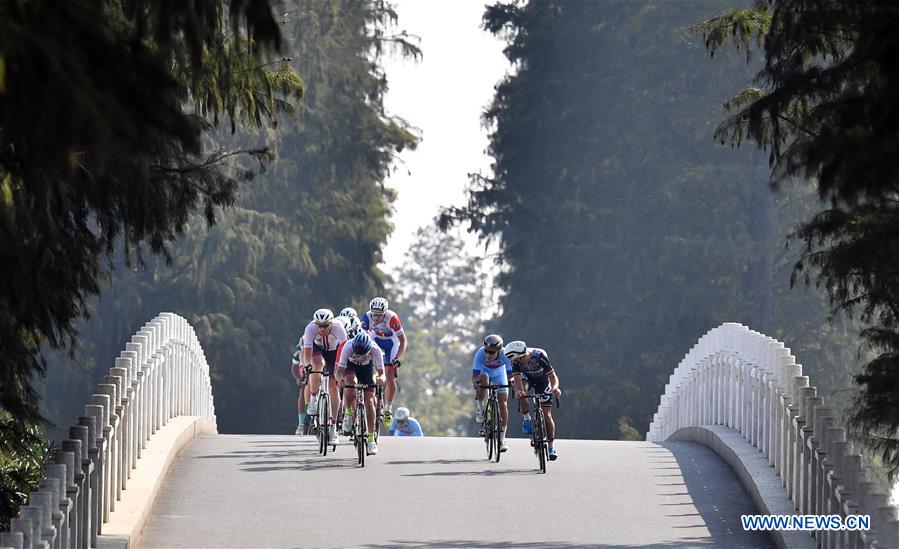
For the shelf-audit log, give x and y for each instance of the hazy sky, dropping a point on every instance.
(444, 95)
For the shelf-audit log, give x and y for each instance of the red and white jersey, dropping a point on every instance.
(348, 356)
(389, 327)
(329, 341)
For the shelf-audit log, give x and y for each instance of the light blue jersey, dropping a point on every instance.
(411, 429)
(498, 369)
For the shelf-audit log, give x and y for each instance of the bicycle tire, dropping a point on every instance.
(324, 412)
(362, 448)
(489, 413)
(497, 433)
(379, 411)
(540, 436)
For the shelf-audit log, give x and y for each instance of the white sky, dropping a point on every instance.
(443, 95)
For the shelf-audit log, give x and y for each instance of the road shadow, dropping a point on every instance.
(437, 461)
(716, 494)
(456, 544)
(485, 473)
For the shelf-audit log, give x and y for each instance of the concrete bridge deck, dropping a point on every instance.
(276, 491)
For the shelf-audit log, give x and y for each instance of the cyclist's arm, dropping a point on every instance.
(402, 349)
(416, 427)
(308, 338)
(516, 382)
(377, 357)
(554, 382)
(341, 360)
(476, 368)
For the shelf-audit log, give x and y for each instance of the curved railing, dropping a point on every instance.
(162, 373)
(751, 383)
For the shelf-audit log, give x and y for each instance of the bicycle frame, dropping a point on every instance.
(492, 427)
(324, 414)
(360, 422)
(538, 428)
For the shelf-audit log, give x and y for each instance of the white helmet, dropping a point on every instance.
(323, 317)
(348, 312)
(515, 349)
(352, 326)
(378, 305)
(401, 413)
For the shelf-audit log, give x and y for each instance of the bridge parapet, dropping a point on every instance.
(162, 373)
(751, 383)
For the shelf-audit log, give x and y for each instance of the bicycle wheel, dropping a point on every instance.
(361, 448)
(379, 412)
(324, 420)
(489, 412)
(497, 434)
(540, 439)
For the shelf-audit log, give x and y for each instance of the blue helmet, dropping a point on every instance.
(361, 343)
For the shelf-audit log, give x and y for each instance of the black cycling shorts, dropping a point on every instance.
(329, 356)
(365, 373)
(540, 384)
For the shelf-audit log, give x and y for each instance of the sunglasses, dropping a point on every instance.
(489, 352)
(328, 325)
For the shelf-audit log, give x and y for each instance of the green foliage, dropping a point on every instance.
(24, 457)
(99, 151)
(626, 231)
(443, 307)
(825, 106)
(305, 234)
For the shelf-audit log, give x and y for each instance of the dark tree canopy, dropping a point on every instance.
(826, 106)
(626, 232)
(103, 109)
(307, 233)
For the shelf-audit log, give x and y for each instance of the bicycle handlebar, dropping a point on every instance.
(490, 386)
(536, 396)
(358, 386)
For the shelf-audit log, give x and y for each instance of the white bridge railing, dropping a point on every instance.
(751, 383)
(162, 373)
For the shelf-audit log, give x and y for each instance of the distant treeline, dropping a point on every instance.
(306, 233)
(626, 230)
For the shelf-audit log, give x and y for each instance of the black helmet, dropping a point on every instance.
(493, 343)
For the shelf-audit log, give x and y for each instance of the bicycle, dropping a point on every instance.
(492, 430)
(321, 421)
(538, 429)
(360, 423)
(379, 411)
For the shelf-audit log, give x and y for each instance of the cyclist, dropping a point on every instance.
(320, 341)
(353, 326)
(301, 377)
(361, 362)
(491, 366)
(404, 425)
(534, 364)
(385, 327)
(349, 312)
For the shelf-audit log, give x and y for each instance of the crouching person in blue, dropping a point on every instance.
(404, 425)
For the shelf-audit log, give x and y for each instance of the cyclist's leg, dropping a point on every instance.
(390, 351)
(550, 425)
(315, 380)
(481, 396)
(301, 400)
(349, 394)
(330, 357)
(498, 377)
(367, 377)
